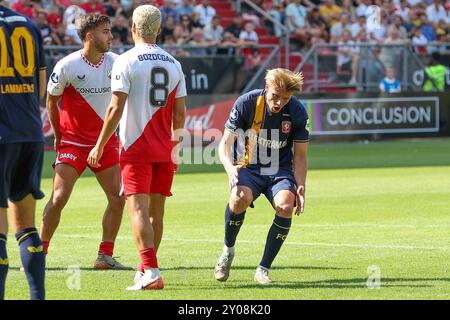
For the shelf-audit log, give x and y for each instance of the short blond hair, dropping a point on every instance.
(147, 19)
(285, 80)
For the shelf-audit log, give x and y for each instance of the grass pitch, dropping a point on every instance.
(380, 206)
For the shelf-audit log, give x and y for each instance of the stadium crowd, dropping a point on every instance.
(195, 22)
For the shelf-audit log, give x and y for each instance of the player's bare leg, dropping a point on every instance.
(283, 203)
(21, 217)
(138, 209)
(63, 182)
(3, 254)
(109, 180)
(157, 203)
(240, 198)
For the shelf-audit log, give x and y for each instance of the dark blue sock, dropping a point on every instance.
(277, 234)
(3, 265)
(33, 261)
(233, 223)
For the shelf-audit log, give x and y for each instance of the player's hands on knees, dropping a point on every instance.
(94, 157)
(300, 200)
(233, 174)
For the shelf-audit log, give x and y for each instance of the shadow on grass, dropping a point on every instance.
(355, 283)
(254, 268)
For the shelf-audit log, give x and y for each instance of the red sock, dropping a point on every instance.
(141, 268)
(106, 248)
(45, 244)
(148, 258)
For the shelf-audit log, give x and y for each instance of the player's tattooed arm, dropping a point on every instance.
(300, 166)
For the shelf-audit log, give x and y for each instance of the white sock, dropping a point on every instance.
(229, 250)
(154, 273)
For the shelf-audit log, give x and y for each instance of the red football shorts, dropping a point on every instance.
(147, 178)
(76, 157)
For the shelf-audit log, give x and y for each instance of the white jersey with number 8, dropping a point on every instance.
(153, 79)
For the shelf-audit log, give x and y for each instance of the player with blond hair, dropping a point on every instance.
(256, 151)
(149, 91)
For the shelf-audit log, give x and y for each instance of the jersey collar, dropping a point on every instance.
(90, 63)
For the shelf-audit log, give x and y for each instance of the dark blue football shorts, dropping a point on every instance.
(269, 185)
(20, 171)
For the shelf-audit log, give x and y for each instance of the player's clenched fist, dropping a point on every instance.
(300, 200)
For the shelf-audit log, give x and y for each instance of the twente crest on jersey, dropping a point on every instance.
(286, 126)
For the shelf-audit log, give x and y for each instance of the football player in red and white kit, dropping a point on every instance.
(82, 81)
(149, 91)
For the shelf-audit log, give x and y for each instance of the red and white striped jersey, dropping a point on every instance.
(86, 93)
(153, 79)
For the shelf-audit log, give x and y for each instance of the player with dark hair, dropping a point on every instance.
(266, 125)
(22, 85)
(149, 89)
(82, 81)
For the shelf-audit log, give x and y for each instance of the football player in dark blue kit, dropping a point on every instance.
(270, 126)
(22, 85)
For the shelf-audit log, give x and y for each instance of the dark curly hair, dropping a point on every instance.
(89, 22)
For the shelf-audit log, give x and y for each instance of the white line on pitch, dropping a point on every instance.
(309, 244)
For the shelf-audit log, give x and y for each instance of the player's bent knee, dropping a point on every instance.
(58, 200)
(239, 204)
(285, 210)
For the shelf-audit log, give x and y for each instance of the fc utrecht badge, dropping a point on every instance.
(286, 126)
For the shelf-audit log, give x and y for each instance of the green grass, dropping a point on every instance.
(384, 204)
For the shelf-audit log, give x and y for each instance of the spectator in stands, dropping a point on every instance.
(70, 15)
(186, 28)
(330, 12)
(25, 7)
(55, 17)
(377, 31)
(229, 40)
(214, 31)
(179, 36)
(435, 74)
(347, 58)
(168, 9)
(199, 41)
(93, 6)
(397, 25)
(113, 8)
(427, 29)
(419, 41)
(236, 26)
(120, 26)
(186, 8)
(389, 84)
(436, 12)
(206, 12)
(252, 64)
(276, 11)
(248, 36)
(360, 24)
(403, 10)
(347, 6)
(195, 20)
(317, 26)
(363, 5)
(338, 28)
(296, 15)
(47, 33)
(393, 55)
(166, 29)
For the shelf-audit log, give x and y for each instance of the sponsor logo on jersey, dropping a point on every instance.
(94, 90)
(286, 126)
(66, 156)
